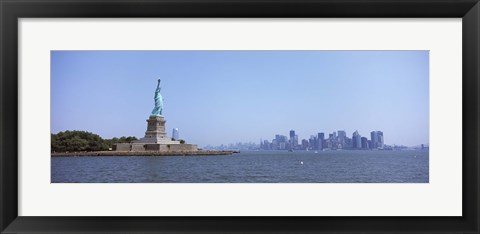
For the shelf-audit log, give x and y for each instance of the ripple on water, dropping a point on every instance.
(249, 167)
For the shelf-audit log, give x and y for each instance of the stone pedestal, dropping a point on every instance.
(156, 133)
(155, 140)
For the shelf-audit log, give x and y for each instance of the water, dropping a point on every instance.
(347, 166)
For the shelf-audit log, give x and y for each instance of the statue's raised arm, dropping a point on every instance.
(158, 84)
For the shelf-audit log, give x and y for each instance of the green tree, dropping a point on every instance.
(77, 141)
(76, 144)
(123, 139)
(84, 141)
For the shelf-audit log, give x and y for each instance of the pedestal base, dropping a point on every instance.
(155, 139)
(156, 133)
(139, 147)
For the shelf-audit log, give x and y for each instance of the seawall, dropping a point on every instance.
(143, 153)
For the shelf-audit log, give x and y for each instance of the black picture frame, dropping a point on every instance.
(11, 11)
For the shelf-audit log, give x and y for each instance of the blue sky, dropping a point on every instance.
(221, 97)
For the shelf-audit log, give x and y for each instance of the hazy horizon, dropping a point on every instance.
(223, 97)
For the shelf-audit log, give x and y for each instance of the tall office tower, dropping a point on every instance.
(374, 139)
(349, 143)
(321, 138)
(342, 135)
(292, 134)
(312, 142)
(304, 144)
(280, 141)
(274, 144)
(380, 139)
(295, 140)
(175, 134)
(364, 141)
(377, 139)
(278, 138)
(328, 144)
(356, 139)
(292, 137)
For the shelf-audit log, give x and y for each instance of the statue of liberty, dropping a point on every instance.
(157, 111)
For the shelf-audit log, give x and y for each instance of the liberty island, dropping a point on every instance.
(156, 137)
(154, 143)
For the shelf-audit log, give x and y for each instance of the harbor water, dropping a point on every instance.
(344, 166)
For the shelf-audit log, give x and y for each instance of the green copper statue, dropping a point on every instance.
(157, 111)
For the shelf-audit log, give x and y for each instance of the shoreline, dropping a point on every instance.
(144, 153)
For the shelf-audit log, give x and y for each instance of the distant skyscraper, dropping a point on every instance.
(348, 143)
(292, 137)
(278, 138)
(175, 134)
(342, 135)
(356, 139)
(280, 142)
(321, 139)
(312, 142)
(374, 139)
(304, 144)
(377, 139)
(292, 134)
(364, 142)
(281, 138)
(274, 144)
(380, 139)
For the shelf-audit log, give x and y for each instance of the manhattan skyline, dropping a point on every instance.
(220, 97)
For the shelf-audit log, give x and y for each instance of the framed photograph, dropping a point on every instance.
(253, 116)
